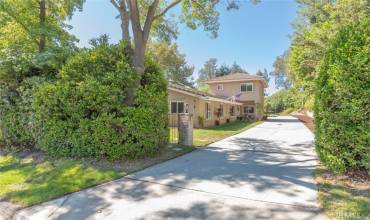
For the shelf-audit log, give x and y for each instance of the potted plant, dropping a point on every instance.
(201, 121)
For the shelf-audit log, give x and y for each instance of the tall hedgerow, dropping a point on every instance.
(18, 125)
(342, 102)
(83, 113)
(285, 100)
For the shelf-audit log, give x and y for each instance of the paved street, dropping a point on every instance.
(262, 173)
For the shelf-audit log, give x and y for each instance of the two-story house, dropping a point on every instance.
(230, 97)
(243, 88)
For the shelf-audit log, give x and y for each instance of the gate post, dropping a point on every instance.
(185, 129)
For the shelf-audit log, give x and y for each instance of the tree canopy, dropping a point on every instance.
(280, 72)
(172, 62)
(265, 75)
(235, 68)
(36, 25)
(211, 70)
(34, 33)
(148, 18)
(208, 71)
(317, 23)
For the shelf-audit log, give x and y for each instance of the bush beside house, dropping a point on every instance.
(83, 113)
(341, 108)
(17, 117)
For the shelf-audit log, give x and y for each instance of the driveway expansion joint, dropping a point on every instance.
(220, 194)
(257, 151)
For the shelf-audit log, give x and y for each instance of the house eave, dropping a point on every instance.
(233, 80)
(205, 98)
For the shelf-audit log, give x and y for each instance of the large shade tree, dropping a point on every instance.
(316, 24)
(148, 16)
(280, 73)
(236, 68)
(265, 75)
(208, 71)
(172, 62)
(33, 34)
(40, 23)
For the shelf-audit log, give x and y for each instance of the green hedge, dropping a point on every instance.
(18, 125)
(285, 99)
(342, 112)
(83, 115)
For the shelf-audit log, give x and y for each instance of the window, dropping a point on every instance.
(246, 87)
(221, 110)
(208, 111)
(232, 110)
(220, 87)
(177, 107)
(248, 109)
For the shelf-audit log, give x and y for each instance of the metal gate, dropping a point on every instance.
(173, 125)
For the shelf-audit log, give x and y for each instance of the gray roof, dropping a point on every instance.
(185, 88)
(235, 77)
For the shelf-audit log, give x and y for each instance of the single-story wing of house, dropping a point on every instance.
(231, 97)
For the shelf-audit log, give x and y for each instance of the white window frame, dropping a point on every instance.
(223, 111)
(208, 111)
(248, 107)
(177, 106)
(246, 87)
(220, 87)
(232, 110)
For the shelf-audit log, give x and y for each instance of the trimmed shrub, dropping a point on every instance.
(342, 112)
(18, 125)
(83, 115)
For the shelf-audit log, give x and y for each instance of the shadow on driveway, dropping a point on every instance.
(242, 177)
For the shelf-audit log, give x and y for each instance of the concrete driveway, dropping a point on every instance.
(262, 173)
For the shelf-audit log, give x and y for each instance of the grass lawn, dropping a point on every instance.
(341, 197)
(30, 178)
(205, 136)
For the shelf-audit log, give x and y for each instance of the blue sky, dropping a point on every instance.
(252, 36)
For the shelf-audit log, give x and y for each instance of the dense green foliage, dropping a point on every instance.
(211, 70)
(280, 72)
(342, 100)
(339, 77)
(30, 40)
(317, 23)
(32, 50)
(18, 123)
(83, 114)
(172, 62)
(284, 100)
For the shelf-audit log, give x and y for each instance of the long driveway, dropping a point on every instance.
(262, 173)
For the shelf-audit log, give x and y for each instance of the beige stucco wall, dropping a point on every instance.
(233, 88)
(250, 98)
(192, 101)
(197, 107)
(214, 106)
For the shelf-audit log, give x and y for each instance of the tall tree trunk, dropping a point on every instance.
(42, 21)
(124, 26)
(141, 36)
